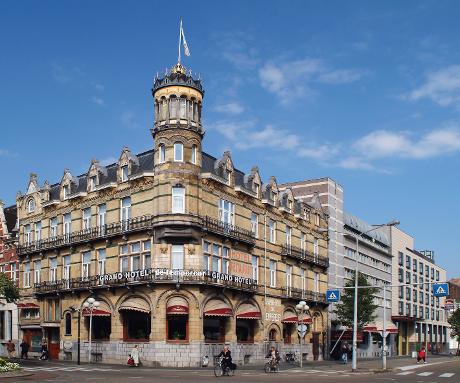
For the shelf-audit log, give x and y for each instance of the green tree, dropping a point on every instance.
(454, 321)
(366, 305)
(8, 289)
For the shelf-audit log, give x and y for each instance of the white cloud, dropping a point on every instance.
(98, 86)
(319, 152)
(128, 119)
(4, 152)
(295, 78)
(355, 163)
(98, 101)
(237, 48)
(269, 137)
(230, 108)
(442, 87)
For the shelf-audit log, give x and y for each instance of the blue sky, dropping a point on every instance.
(367, 93)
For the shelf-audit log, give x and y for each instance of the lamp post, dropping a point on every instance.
(78, 311)
(302, 308)
(90, 305)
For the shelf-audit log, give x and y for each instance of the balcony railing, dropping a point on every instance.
(147, 276)
(230, 231)
(304, 255)
(296, 293)
(85, 235)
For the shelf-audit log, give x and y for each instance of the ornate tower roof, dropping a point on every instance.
(178, 75)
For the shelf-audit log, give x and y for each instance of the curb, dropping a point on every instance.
(15, 375)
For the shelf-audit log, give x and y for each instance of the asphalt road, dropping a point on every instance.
(437, 371)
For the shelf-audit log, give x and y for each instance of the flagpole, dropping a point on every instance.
(180, 39)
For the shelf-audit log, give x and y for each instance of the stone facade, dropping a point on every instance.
(183, 251)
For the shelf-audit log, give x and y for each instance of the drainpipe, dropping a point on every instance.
(265, 268)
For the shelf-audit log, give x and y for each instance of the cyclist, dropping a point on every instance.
(274, 357)
(226, 356)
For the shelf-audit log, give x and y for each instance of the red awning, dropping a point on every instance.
(348, 335)
(248, 311)
(218, 308)
(177, 306)
(28, 305)
(135, 304)
(103, 310)
(289, 316)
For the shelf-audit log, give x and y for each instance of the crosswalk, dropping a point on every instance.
(69, 369)
(427, 373)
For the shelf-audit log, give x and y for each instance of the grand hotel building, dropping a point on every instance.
(183, 251)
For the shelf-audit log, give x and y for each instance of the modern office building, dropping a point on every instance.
(420, 316)
(184, 252)
(9, 265)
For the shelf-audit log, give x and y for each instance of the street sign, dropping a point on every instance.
(449, 304)
(302, 329)
(332, 296)
(441, 289)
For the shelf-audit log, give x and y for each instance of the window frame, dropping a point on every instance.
(176, 146)
(178, 199)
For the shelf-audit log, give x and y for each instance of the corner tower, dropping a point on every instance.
(177, 127)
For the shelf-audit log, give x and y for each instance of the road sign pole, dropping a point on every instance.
(384, 330)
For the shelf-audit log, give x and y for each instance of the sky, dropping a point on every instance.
(366, 93)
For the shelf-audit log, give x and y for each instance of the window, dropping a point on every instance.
(85, 264)
(26, 275)
(255, 224)
(183, 107)
(101, 212)
(53, 227)
(206, 256)
(437, 275)
(53, 310)
(400, 308)
(245, 330)
(161, 154)
(177, 327)
(53, 270)
(257, 190)
(92, 183)
(66, 270)
(66, 191)
(37, 271)
(272, 273)
(400, 258)
(68, 324)
(194, 154)
(401, 292)
(38, 231)
(178, 152)
(125, 210)
(407, 276)
(288, 279)
(315, 247)
(316, 282)
(271, 231)
(302, 281)
(27, 234)
(302, 242)
(30, 205)
(255, 268)
(101, 257)
(219, 256)
(214, 329)
(427, 271)
(408, 262)
(86, 218)
(432, 273)
(414, 265)
(124, 264)
(146, 253)
(178, 199)
(288, 236)
(124, 173)
(67, 228)
(226, 212)
(408, 293)
(177, 257)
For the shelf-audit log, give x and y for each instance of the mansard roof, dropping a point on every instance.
(362, 226)
(11, 218)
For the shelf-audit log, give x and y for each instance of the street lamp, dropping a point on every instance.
(301, 308)
(90, 305)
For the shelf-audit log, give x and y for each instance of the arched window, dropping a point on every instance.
(183, 107)
(173, 107)
(161, 154)
(194, 154)
(68, 324)
(190, 109)
(164, 109)
(178, 199)
(177, 319)
(31, 205)
(157, 111)
(178, 152)
(272, 335)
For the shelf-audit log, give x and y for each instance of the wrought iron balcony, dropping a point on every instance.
(304, 256)
(85, 235)
(147, 276)
(296, 293)
(227, 230)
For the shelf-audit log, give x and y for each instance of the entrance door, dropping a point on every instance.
(53, 343)
(315, 341)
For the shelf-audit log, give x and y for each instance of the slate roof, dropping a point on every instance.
(362, 226)
(11, 216)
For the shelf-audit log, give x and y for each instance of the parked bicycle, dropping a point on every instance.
(291, 357)
(272, 365)
(221, 369)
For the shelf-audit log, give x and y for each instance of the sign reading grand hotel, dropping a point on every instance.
(173, 274)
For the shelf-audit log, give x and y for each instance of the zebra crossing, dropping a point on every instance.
(69, 369)
(427, 373)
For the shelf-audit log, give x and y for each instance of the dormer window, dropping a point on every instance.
(30, 205)
(66, 191)
(275, 198)
(161, 154)
(257, 190)
(290, 206)
(178, 152)
(92, 183)
(124, 173)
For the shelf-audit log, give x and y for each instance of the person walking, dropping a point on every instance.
(345, 353)
(44, 355)
(421, 355)
(135, 355)
(24, 346)
(11, 348)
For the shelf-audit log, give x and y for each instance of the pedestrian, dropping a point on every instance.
(135, 355)
(11, 348)
(421, 355)
(44, 355)
(24, 349)
(345, 353)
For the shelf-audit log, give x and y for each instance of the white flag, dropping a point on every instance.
(184, 42)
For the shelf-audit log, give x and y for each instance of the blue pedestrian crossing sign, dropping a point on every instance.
(332, 296)
(440, 289)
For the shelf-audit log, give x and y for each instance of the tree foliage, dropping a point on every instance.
(366, 306)
(454, 321)
(8, 289)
